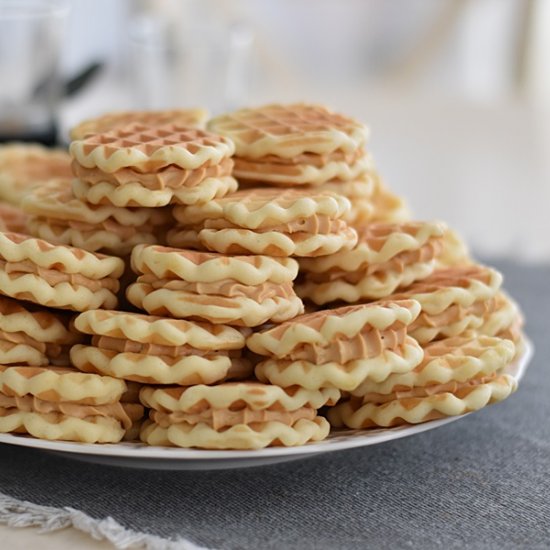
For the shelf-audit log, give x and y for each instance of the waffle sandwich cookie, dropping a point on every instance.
(241, 415)
(385, 257)
(60, 403)
(234, 290)
(456, 376)
(339, 348)
(151, 166)
(57, 276)
(269, 221)
(156, 350)
(34, 335)
(58, 217)
(290, 145)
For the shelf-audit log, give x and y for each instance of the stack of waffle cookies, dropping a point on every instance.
(261, 285)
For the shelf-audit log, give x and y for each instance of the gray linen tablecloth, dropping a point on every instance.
(481, 482)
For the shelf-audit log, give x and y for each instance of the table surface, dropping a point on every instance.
(480, 482)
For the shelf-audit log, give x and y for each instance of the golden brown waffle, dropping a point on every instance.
(149, 149)
(195, 118)
(289, 130)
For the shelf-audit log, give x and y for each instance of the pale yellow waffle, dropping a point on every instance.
(460, 286)
(60, 384)
(241, 436)
(247, 306)
(108, 237)
(385, 257)
(271, 222)
(305, 169)
(23, 167)
(189, 368)
(455, 300)
(109, 121)
(237, 415)
(38, 323)
(60, 427)
(58, 217)
(55, 201)
(343, 376)
(149, 149)
(135, 194)
(289, 130)
(303, 336)
(57, 276)
(159, 331)
(208, 267)
(505, 321)
(235, 396)
(32, 335)
(266, 208)
(275, 243)
(429, 403)
(457, 359)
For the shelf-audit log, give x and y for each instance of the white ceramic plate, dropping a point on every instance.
(136, 455)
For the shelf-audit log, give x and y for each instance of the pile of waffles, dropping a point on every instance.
(233, 283)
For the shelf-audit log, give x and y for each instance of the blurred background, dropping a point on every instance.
(456, 92)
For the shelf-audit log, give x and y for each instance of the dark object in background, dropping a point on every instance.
(48, 135)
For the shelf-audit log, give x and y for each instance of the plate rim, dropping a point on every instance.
(344, 439)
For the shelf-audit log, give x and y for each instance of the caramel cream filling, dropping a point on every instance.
(227, 288)
(222, 418)
(169, 177)
(315, 225)
(310, 159)
(121, 345)
(454, 314)
(367, 344)
(125, 413)
(55, 277)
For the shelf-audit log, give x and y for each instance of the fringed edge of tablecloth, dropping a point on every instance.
(20, 513)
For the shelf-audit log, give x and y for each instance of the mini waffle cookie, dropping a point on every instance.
(159, 351)
(60, 218)
(57, 276)
(30, 335)
(453, 300)
(385, 257)
(152, 166)
(386, 207)
(340, 347)
(424, 404)
(23, 167)
(238, 290)
(457, 359)
(149, 149)
(62, 404)
(195, 118)
(286, 131)
(60, 384)
(246, 415)
(272, 222)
